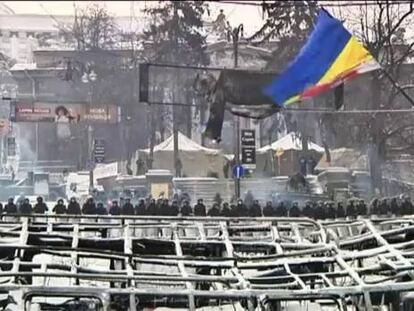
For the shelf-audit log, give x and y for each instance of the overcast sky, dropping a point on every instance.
(250, 16)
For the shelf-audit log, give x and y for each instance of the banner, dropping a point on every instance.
(66, 113)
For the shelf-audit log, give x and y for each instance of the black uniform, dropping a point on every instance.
(40, 207)
(362, 208)
(174, 209)
(186, 209)
(226, 211)
(281, 210)
(255, 209)
(115, 210)
(340, 212)
(26, 207)
(10, 207)
(140, 209)
(89, 208)
(73, 208)
(330, 211)
(214, 211)
(351, 210)
(200, 209)
(240, 210)
(320, 212)
(128, 208)
(164, 209)
(101, 210)
(268, 210)
(152, 209)
(406, 207)
(294, 210)
(308, 211)
(59, 208)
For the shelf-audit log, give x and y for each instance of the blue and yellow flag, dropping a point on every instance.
(330, 57)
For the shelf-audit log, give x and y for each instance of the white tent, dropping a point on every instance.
(290, 142)
(289, 161)
(196, 160)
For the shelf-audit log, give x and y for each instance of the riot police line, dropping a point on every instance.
(318, 210)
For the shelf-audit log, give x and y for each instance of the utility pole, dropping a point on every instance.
(89, 77)
(235, 34)
(177, 167)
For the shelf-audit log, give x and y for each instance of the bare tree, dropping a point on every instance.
(100, 46)
(381, 27)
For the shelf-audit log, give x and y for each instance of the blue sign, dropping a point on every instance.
(238, 171)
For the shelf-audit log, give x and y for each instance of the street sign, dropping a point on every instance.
(248, 148)
(248, 138)
(238, 171)
(11, 146)
(248, 157)
(99, 150)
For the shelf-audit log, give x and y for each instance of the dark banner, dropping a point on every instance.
(66, 113)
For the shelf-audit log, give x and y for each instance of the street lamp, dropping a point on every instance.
(89, 77)
(235, 35)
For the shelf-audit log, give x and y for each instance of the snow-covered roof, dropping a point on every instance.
(290, 142)
(184, 144)
(23, 66)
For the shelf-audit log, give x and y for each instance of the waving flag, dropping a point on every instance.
(330, 57)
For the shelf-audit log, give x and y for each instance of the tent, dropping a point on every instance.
(290, 142)
(344, 157)
(196, 160)
(290, 154)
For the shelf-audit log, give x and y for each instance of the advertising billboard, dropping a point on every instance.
(66, 113)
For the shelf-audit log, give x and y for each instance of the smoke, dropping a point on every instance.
(25, 151)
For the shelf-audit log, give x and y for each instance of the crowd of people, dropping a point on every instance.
(163, 207)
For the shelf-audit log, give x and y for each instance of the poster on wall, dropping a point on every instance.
(62, 113)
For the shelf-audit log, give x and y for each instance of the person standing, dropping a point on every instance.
(40, 207)
(73, 207)
(200, 208)
(89, 208)
(255, 209)
(294, 211)
(26, 207)
(100, 209)
(362, 208)
(10, 207)
(308, 211)
(340, 211)
(164, 210)
(140, 208)
(174, 208)
(152, 208)
(214, 211)
(59, 208)
(351, 210)
(225, 211)
(281, 210)
(128, 208)
(268, 210)
(115, 209)
(186, 209)
(240, 210)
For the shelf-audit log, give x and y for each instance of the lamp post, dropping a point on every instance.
(89, 78)
(235, 34)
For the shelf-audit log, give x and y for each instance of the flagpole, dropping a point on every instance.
(398, 87)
